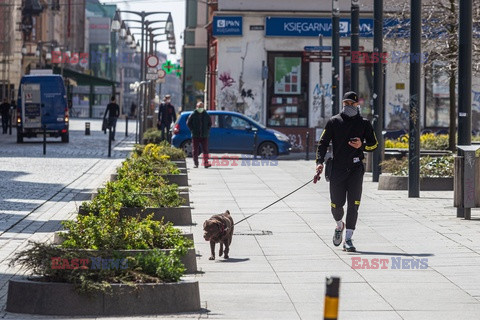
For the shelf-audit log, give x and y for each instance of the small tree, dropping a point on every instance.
(440, 41)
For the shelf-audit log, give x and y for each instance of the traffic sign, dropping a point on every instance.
(152, 61)
(317, 48)
(308, 59)
(151, 76)
(161, 73)
(317, 53)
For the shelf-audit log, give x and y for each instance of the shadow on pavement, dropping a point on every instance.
(374, 253)
(234, 260)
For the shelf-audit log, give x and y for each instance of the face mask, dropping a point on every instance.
(350, 111)
(200, 110)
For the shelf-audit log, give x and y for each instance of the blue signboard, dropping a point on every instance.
(312, 27)
(227, 26)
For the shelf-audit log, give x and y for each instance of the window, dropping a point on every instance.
(287, 90)
(215, 121)
(437, 95)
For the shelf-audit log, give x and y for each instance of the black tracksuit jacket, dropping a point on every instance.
(339, 129)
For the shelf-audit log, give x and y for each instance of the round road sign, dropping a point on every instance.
(161, 73)
(152, 61)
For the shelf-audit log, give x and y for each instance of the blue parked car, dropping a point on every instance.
(233, 132)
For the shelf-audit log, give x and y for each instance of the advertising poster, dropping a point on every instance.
(288, 72)
(31, 106)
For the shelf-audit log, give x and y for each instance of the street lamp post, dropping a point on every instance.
(168, 27)
(335, 56)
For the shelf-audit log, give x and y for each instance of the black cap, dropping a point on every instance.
(351, 96)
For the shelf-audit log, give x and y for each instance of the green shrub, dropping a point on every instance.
(153, 266)
(152, 135)
(429, 166)
(163, 148)
(108, 231)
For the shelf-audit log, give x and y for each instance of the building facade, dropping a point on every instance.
(258, 58)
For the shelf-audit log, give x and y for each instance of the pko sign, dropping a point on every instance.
(312, 27)
(227, 26)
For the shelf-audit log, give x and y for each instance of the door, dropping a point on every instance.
(215, 138)
(237, 134)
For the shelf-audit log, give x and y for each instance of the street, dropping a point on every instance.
(415, 259)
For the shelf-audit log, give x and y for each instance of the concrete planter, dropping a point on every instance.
(179, 179)
(180, 163)
(389, 182)
(180, 216)
(61, 299)
(182, 193)
(189, 260)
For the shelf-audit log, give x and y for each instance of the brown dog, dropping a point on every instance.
(219, 228)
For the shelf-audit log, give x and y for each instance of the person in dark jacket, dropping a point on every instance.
(199, 123)
(166, 116)
(5, 112)
(350, 135)
(113, 111)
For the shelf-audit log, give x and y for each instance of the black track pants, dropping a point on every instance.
(346, 184)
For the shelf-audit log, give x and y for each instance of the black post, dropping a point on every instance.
(307, 141)
(109, 141)
(255, 144)
(354, 43)
(320, 82)
(332, 295)
(377, 88)
(126, 125)
(10, 121)
(465, 83)
(44, 139)
(335, 57)
(415, 74)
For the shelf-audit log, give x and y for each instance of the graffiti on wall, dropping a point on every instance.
(319, 93)
(296, 141)
(398, 112)
(476, 110)
(226, 79)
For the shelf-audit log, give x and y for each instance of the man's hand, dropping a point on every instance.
(319, 168)
(356, 143)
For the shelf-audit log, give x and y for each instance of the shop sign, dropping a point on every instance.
(227, 26)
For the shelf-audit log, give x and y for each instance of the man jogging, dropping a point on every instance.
(350, 135)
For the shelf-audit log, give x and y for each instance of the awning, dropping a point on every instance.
(83, 79)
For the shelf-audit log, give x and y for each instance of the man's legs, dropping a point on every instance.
(354, 194)
(195, 150)
(162, 130)
(204, 142)
(4, 124)
(338, 195)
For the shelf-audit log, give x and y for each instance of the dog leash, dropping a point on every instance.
(315, 179)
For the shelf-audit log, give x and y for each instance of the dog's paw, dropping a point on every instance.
(211, 258)
(226, 256)
(220, 253)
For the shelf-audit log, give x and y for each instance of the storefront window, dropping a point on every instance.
(437, 98)
(287, 90)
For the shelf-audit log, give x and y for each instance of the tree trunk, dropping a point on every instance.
(453, 112)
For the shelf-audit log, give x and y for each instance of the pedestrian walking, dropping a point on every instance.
(5, 112)
(199, 123)
(166, 116)
(133, 109)
(350, 135)
(113, 111)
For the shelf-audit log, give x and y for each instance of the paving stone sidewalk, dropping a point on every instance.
(279, 259)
